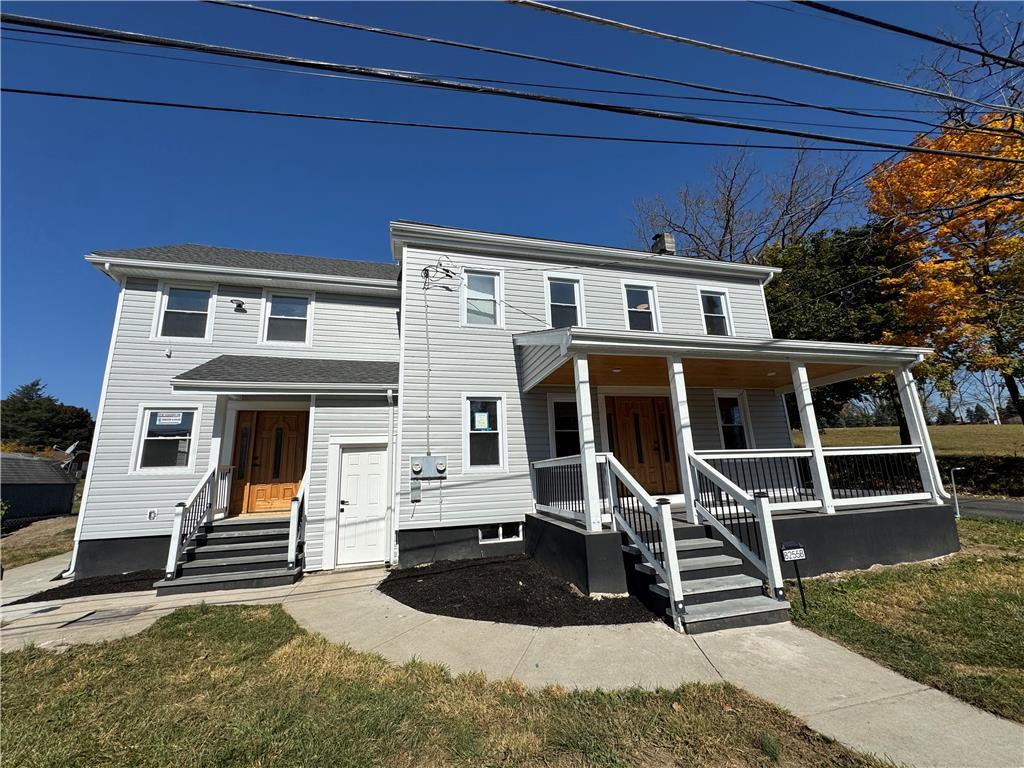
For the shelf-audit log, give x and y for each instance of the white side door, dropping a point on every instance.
(362, 505)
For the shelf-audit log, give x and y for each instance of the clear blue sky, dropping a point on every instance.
(78, 177)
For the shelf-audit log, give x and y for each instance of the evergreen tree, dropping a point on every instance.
(36, 420)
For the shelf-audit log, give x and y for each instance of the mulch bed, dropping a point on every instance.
(134, 581)
(512, 590)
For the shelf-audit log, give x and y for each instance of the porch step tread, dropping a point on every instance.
(231, 522)
(206, 578)
(233, 546)
(710, 561)
(682, 545)
(713, 584)
(230, 535)
(725, 609)
(281, 558)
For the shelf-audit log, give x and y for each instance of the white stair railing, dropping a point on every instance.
(297, 520)
(648, 525)
(744, 520)
(189, 515)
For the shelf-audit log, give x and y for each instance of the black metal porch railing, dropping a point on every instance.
(558, 487)
(728, 510)
(854, 473)
(785, 478)
(636, 514)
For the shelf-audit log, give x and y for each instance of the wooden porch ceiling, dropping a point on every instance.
(636, 371)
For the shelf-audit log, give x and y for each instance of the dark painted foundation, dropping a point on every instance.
(418, 547)
(592, 560)
(102, 557)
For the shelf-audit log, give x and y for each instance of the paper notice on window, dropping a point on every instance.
(168, 418)
(481, 421)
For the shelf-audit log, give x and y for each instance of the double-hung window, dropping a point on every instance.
(715, 308)
(185, 312)
(287, 319)
(167, 438)
(565, 427)
(481, 299)
(564, 302)
(732, 422)
(484, 433)
(640, 307)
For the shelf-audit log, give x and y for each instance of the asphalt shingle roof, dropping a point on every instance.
(233, 258)
(290, 370)
(16, 469)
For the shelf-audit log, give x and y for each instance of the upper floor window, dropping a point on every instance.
(166, 439)
(565, 302)
(287, 319)
(481, 299)
(715, 308)
(641, 307)
(185, 312)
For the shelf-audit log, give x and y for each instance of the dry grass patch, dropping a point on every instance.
(244, 686)
(42, 539)
(965, 439)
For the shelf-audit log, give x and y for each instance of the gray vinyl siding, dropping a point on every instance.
(140, 372)
(336, 416)
(468, 361)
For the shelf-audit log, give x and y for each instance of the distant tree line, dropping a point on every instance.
(32, 420)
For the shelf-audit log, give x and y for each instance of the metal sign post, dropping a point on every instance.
(793, 552)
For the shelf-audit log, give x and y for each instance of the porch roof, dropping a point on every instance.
(246, 374)
(638, 358)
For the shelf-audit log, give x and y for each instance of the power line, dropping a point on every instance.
(412, 124)
(764, 58)
(455, 85)
(283, 70)
(781, 101)
(909, 32)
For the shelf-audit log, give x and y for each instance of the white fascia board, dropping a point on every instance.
(283, 388)
(414, 235)
(110, 265)
(737, 348)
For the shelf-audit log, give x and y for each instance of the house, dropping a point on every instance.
(617, 414)
(33, 488)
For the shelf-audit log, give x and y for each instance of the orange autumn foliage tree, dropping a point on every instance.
(964, 220)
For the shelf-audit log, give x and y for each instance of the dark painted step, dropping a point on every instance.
(716, 589)
(244, 536)
(271, 577)
(236, 549)
(702, 567)
(730, 614)
(244, 524)
(684, 530)
(234, 564)
(686, 547)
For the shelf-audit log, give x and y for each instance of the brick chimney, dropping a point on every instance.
(664, 243)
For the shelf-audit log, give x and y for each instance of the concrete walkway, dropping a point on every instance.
(836, 691)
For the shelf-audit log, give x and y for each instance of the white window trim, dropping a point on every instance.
(581, 308)
(655, 306)
(502, 468)
(140, 429)
(499, 298)
(556, 397)
(502, 538)
(726, 300)
(265, 317)
(163, 290)
(748, 427)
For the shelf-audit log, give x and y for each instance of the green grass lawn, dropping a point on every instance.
(947, 439)
(42, 539)
(954, 624)
(245, 686)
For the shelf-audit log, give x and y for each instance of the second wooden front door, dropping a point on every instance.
(269, 459)
(642, 439)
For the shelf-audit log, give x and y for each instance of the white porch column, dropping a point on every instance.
(917, 426)
(588, 444)
(684, 435)
(812, 439)
(217, 448)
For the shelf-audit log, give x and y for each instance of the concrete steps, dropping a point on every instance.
(235, 553)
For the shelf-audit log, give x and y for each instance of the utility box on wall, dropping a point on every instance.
(428, 467)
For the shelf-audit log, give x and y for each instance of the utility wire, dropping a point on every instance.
(283, 70)
(764, 58)
(909, 32)
(411, 124)
(455, 85)
(544, 59)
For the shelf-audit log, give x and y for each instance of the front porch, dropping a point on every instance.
(694, 456)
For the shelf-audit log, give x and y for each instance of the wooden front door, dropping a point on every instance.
(269, 460)
(643, 440)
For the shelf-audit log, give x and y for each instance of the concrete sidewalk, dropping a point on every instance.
(837, 692)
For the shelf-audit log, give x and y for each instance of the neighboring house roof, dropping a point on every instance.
(197, 255)
(229, 372)
(18, 469)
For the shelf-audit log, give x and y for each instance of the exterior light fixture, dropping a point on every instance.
(616, 370)
(239, 305)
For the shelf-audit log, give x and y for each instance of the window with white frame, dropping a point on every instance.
(494, 534)
(566, 428)
(715, 306)
(287, 318)
(640, 309)
(167, 438)
(484, 433)
(564, 302)
(731, 422)
(481, 299)
(185, 312)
